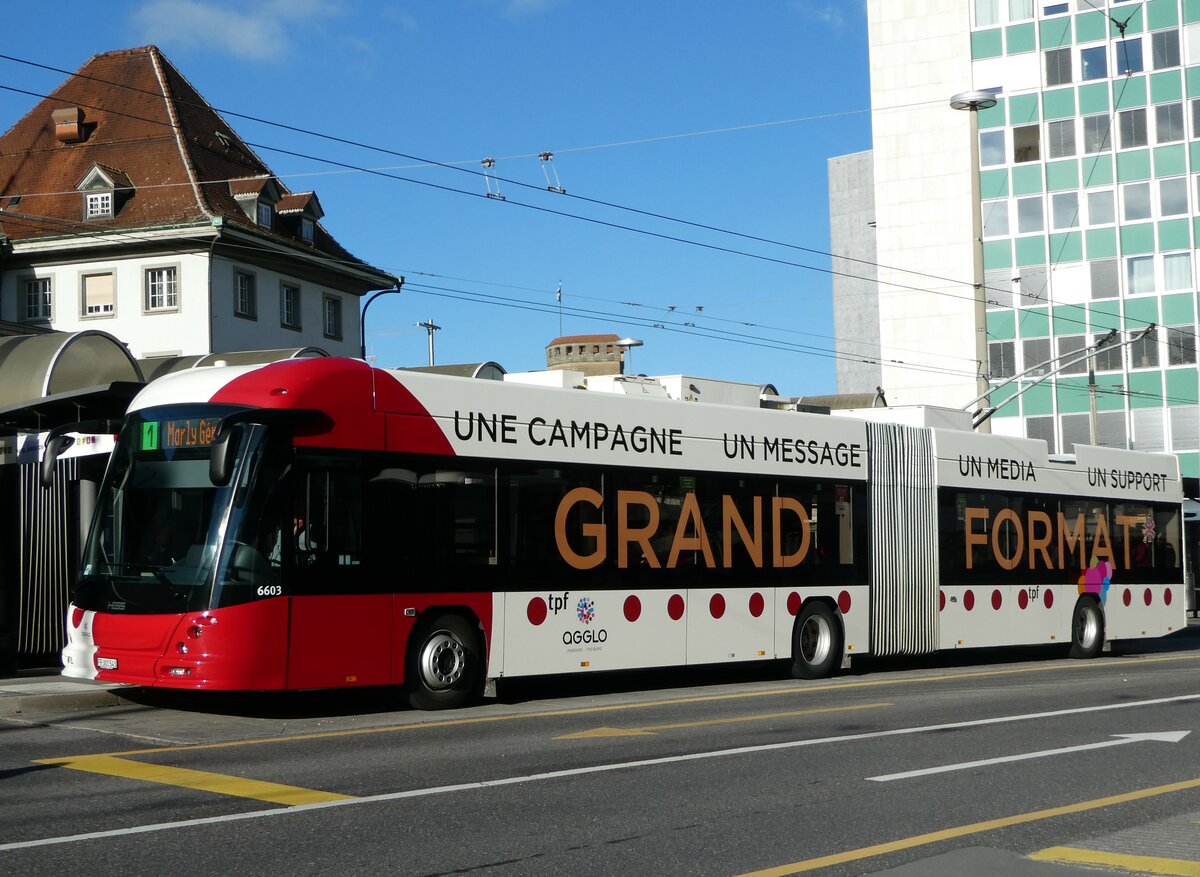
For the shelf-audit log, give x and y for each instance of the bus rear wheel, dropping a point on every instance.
(816, 642)
(445, 664)
(1087, 629)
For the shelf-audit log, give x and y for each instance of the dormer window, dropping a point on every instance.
(264, 214)
(306, 230)
(104, 190)
(98, 205)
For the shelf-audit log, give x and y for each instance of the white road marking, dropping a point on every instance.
(573, 772)
(1162, 737)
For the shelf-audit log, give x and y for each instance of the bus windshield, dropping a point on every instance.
(164, 539)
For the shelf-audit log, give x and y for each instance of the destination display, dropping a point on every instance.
(166, 435)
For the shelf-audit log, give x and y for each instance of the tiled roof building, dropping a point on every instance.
(128, 204)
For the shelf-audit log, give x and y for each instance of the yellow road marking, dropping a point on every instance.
(221, 784)
(650, 730)
(825, 688)
(933, 837)
(1137, 864)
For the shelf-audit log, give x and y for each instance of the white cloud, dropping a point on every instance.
(834, 13)
(258, 31)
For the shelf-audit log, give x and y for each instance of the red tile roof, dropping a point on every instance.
(143, 117)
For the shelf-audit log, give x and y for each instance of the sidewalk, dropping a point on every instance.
(47, 691)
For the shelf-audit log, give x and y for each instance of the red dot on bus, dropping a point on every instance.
(997, 599)
(757, 604)
(536, 611)
(633, 608)
(1048, 598)
(969, 600)
(1167, 596)
(941, 600)
(76, 617)
(1022, 598)
(716, 606)
(675, 607)
(793, 603)
(1127, 597)
(1148, 596)
(844, 602)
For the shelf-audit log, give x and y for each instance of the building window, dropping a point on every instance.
(1129, 56)
(1075, 430)
(245, 303)
(1139, 275)
(264, 214)
(1132, 128)
(306, 230)
(1020, 9)
(37, 299)
(1185, 427)
(333, 317)
(987, 12)
(1181, 345)
(1030, 217)
(1135, 198)
(289, 306)
(162, 288)
(995, 219)
(998, 291)
(98, 205)
(1070, 347)
(1093, 63)
(1143, 353)
(1058, 66)
(1032, 286)
(1172, 196)
(1041, 428)
(1177, 271)
(98, 295)
(1027, 143)
(1164, 49)
(1104, 278)
(1108, 357)
(1168, 122)
(1148, 429)
(1035, 352)
(1191, 40)
(991, 148)
(1060, 137)
(1100, 208)
(1001, 360)
(1097, 134)
(1066, 210)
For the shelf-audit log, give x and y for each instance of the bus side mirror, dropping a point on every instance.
(55, 445)
(221, 457)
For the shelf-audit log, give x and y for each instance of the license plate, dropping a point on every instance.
(106, 663)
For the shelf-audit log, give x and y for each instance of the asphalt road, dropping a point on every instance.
(965, 763)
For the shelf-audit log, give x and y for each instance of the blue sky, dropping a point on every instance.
(719, 114)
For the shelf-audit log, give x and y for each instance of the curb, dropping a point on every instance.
(15, 702)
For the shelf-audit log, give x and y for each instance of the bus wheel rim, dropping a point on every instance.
(1087, 627)
(443, 661)
(816, 639)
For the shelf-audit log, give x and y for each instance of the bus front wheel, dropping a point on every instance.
(816, 642)
(445, 664)
(1087, 629)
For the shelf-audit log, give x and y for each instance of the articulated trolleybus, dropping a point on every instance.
(320, 523)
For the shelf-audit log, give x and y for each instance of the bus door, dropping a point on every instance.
(341, 618)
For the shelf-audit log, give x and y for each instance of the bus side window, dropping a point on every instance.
(327, 519)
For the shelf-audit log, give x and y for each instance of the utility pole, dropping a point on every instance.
(430, 328)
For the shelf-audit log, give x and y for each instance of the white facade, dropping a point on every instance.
(200, 314)
(925, 220)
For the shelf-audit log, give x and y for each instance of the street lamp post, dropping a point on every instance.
(362, 317)
(972, 102)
